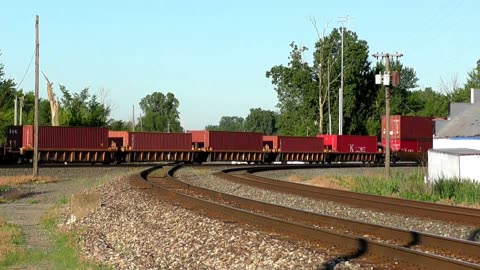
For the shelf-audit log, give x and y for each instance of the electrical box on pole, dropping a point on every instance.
(386, 79)
(378, 78)
(395, 78)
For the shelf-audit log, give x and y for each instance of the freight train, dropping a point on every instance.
(410, 139)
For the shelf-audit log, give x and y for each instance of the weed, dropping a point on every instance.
(62, 255)
(5, 188)
(460, 191)
(412, 187)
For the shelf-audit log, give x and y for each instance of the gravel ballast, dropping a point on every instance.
(201, 177)
(134, 230)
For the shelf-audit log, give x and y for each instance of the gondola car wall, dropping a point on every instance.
(158, 141)
(293, 144)
(349, 143)
(79, 138)
(227, 140)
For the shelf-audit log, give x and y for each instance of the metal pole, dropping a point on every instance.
(328, 96)
(133, 118)
(21, 110)
(15, 108)
(340, 95)
(37, 68)
(387, 120)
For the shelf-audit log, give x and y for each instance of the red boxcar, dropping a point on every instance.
(418, 145)
(293, 144)
(61, 137)
(227, 140)
(157, 141)
(349, 143)
(408, 127)
(120, 138)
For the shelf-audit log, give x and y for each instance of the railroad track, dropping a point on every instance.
(74, 165)
(310, 227)
(463, 215)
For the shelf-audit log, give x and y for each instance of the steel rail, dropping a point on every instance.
(406, 238)
(463, 215)
(354, 246)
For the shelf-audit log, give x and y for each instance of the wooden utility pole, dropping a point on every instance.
(386, 81)
(35, 133)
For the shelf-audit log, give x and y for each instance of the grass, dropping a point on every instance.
(61, 255)
(6, 181)
(4, 189)
(10, 239)
(413, 187)
(9, 193)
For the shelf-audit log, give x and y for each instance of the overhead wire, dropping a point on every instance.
(26, 71)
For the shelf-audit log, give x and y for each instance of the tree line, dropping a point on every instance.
(82, 108)
(308, 92)
(307, 96)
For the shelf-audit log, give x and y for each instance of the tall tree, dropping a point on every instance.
(7, 96)
(228, 123)
(82, 109)
(428, 103)
(473, 81)
(323, 74)
(358, 93)
(259, 120)
(119, 125)
(160, 113)
(297, 94)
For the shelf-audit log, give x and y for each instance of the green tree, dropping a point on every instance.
(297, 94)
(358, 93)
(260, 121)
(119, 125)
(428, 103)
(160, 113)
(7, 96)
(228, 123)
(82, 109)
(473, 81)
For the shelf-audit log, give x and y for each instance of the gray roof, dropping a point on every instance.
(465, 124)
(457, 151)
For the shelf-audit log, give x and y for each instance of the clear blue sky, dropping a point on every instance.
(213, 55)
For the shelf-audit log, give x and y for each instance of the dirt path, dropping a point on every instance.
(37, 198)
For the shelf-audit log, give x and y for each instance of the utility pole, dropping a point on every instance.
(328, 96)
(37, 68)
(386, 82)
(343, 20)
(133, 118)
(21, 110)
(15, 108)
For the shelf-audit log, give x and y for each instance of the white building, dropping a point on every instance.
(456, 142)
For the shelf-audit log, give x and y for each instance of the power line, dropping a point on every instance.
(28, 68)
